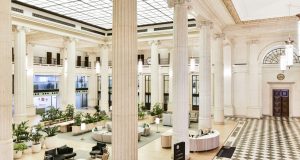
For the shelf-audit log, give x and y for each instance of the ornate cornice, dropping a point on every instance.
(231, 9)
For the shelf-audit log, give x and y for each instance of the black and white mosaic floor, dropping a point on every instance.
(273, 138)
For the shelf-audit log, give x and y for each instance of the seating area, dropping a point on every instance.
(99, 151)
(60, 153)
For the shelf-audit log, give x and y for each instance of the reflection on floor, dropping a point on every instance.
(266, 138)
(149, 148)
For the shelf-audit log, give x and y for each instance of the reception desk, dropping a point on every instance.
(205, 143)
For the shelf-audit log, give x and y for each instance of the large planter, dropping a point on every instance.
(17, 154)
(36, 148)
(27, 151)
(151, 119)
(51, 142)
(76, 130)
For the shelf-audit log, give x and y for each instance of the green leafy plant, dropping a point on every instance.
(97, 108)
(21, 132)
(69, 111)
(51, 131)
(20, 146)
(88, 118)
(36, 136)
(146, 125)
(78, 119)
(157, 110)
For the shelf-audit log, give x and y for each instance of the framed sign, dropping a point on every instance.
(280, 76)
(179, 151)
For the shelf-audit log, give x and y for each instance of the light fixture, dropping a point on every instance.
(140, 66)
(283, 62)
(98, 67)
(82, 128)
(192, 64)
(289, 52)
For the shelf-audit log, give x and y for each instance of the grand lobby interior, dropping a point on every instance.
(150, 79)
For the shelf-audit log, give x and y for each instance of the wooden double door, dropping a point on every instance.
(281, 102)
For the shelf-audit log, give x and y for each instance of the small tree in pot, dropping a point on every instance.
(36, 137)
(51, 138)
(18, 150)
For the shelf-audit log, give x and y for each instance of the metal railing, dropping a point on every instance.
(83, 64)
(45, 86)
(43, 60)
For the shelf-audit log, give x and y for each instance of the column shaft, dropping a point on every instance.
(228, 108)
(180, 77)
(205, 77)
(70, 85)
(124, 74)
(29, 86)
(20, 74)
(104, 79)
(219, 82)
(154, 73)
(92, 92)
(6, 143)
(170, 105)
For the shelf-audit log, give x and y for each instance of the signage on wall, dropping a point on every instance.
(280, 76)
(179, 151)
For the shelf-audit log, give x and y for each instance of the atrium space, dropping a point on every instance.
(149, 79)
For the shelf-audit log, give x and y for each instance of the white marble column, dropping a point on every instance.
(63, 80)
(104, 78)
(180, 76)
(254, 109)
(124, 75)
(228, 107)
(170, 105)
(92, 92)
(141, 88)
(20, 74)
(30, 106)
(6, 142)
(204, 76)
(219, 80)
(70, 71)
(154, 73)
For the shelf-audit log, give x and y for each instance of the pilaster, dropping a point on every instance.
(104, 77)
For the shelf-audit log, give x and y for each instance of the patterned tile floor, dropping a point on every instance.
(267, 138)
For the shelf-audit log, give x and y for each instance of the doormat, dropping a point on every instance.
(226, 152)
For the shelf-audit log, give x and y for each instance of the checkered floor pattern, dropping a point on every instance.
(272, 138)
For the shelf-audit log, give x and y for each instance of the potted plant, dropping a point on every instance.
(69, 113)
(36, 137)
(51, 138)
(18, 150)
(77, 123)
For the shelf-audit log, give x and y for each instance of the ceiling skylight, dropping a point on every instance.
(99, 12)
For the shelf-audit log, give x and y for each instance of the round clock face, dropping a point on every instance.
(280, 76)
(149, 60)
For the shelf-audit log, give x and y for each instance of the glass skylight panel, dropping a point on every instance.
(99, 12)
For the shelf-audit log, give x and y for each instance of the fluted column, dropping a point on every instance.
(6, 143)
(124, 74)
(204, 76)
(180, 76)
(63, 80)
(154, 73)
(104, 78)
(29, 86)
(254, 108)
(92, 92)
(141, 88)
(70, 71)
(20, 74)
(219, 81)
(170, 105)
(228, 107)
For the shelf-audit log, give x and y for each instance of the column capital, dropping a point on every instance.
(252, 41)
(105, 46)
(19, 28)
(204, 23)
(70, 39)
(154, 42)
(220, 36)
(172, 3)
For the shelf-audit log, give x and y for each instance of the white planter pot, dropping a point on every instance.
(51, 142)
(17, 154)
(28, 143)
(36, 148)
(76, 129)
(27, 151)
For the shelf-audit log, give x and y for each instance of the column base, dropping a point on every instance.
(229, 110)
(19, 118)
(6, 150)
(204, 123)
(254, 112)
(219, 123)
(31, 111)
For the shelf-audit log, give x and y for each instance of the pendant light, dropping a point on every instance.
(283, 62)
(193, 64)
(140, 66)
(98, 67)
(289, 52)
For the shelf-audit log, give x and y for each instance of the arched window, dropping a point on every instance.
(273, 57)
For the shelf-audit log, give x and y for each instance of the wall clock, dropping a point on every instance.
(280, 76)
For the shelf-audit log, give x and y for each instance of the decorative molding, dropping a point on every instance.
(220, 36)
(154, 42)
(201, 23)
(231, 9)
